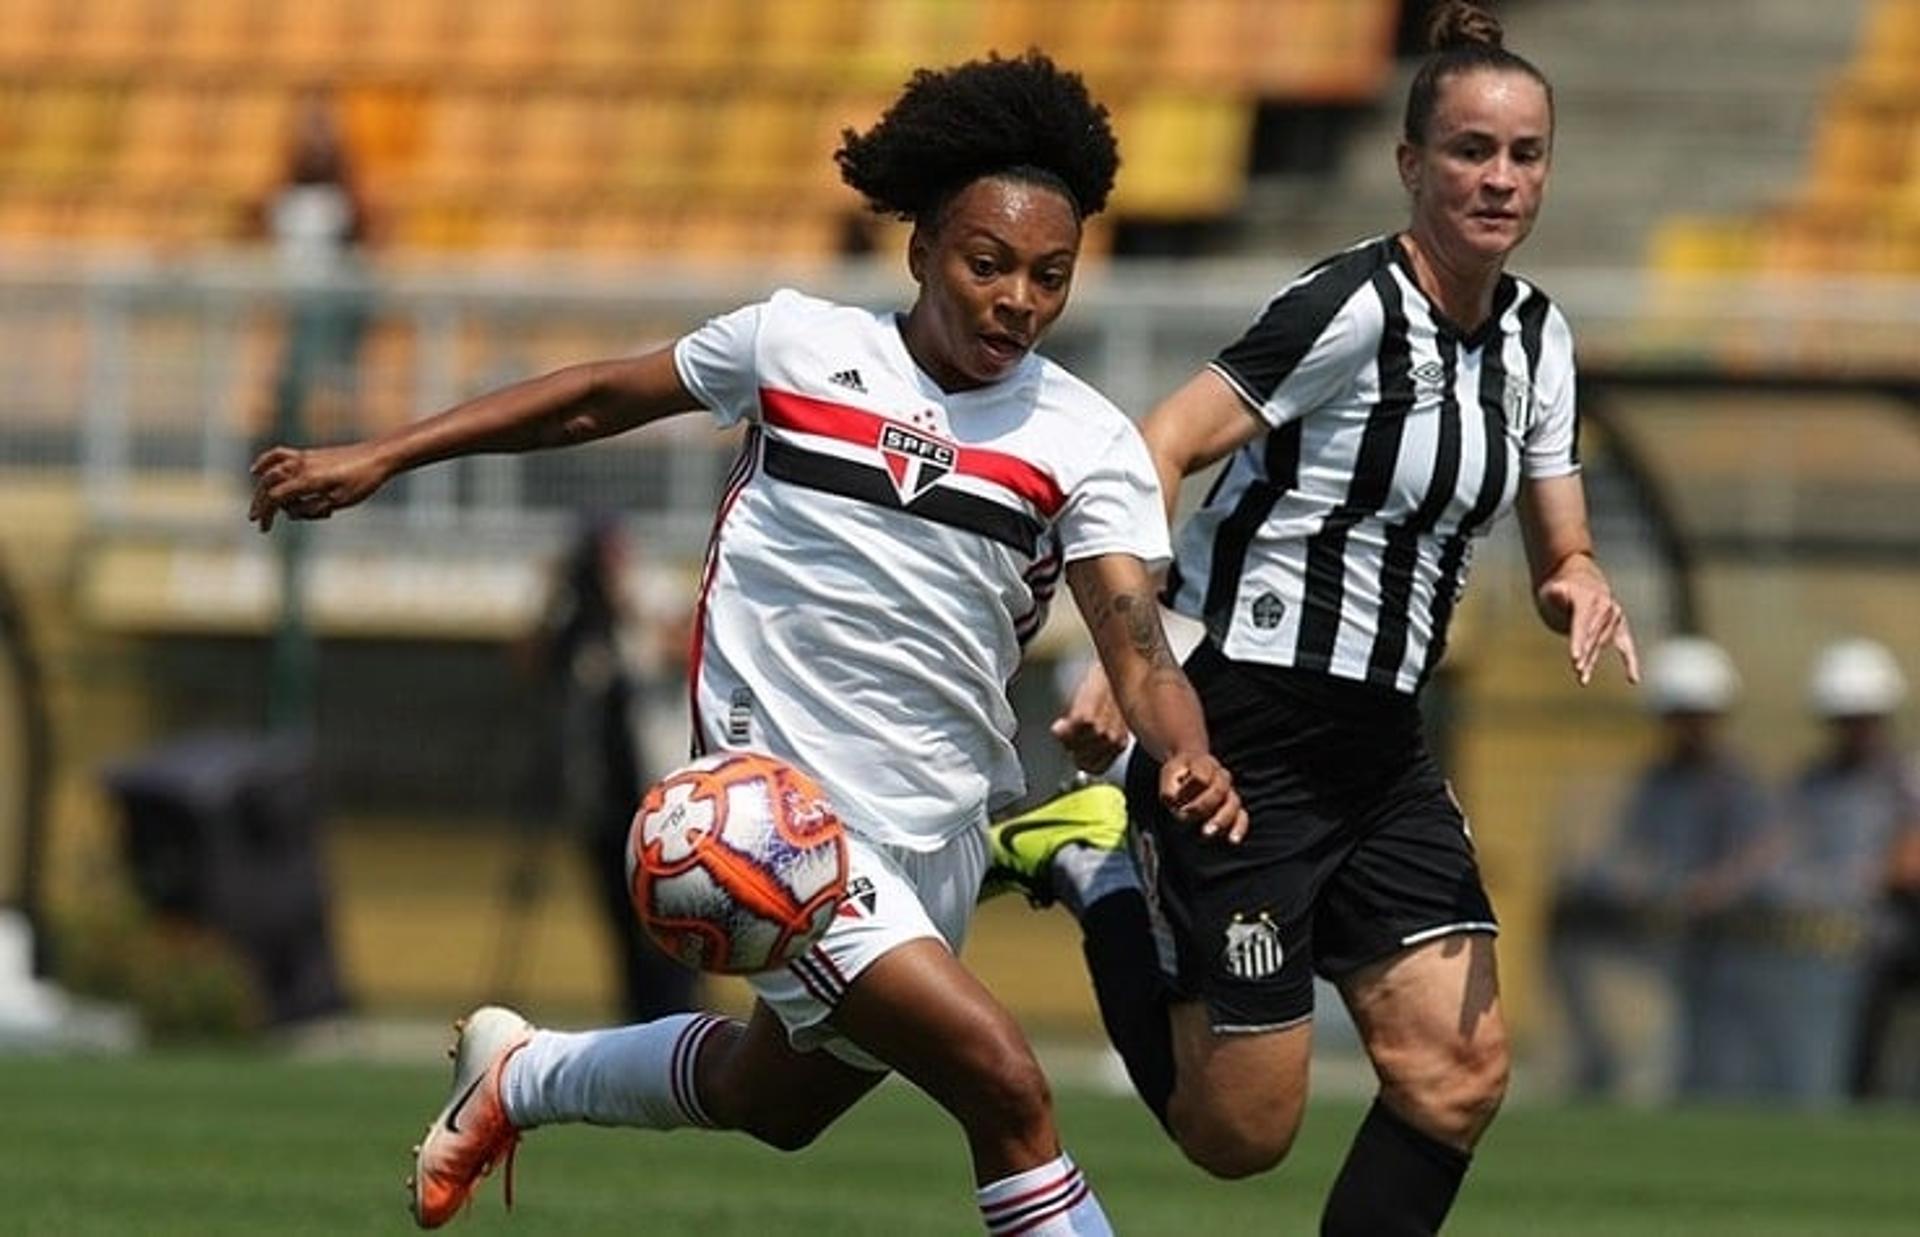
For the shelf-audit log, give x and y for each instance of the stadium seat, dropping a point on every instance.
(602, 101)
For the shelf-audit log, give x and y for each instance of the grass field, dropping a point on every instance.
(250, 1144)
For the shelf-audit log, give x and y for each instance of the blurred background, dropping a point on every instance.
(310, 785)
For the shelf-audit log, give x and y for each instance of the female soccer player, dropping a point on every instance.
(1400, 394)
(910, 490)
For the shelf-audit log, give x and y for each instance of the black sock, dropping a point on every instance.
(1397, 1181)
(1118, 943)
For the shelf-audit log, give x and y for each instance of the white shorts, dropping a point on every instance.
(894, 896)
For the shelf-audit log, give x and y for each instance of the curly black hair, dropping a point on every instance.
(1022, 117)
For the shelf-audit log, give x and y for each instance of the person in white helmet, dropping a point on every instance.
(1650, 899)
(1852, 824)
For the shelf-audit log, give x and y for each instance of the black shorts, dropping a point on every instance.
(1357, 848)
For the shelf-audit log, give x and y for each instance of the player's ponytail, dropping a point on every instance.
(1464, 36)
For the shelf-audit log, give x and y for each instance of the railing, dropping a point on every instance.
(141, 374)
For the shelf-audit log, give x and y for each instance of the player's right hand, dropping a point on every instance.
(312, 484)
(1091, 727)
(1199, 791)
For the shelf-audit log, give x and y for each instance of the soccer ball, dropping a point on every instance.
(736, 863)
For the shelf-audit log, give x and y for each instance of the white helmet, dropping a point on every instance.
(1855, 678)
(1690, 674)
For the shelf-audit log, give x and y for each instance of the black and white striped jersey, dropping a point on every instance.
(1339, 540)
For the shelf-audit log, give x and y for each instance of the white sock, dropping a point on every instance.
(1053, 1200)
(638, 1075)
(1082, 875)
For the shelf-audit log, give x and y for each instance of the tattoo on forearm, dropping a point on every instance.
(1142, 621)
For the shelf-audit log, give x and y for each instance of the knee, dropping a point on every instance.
(1235, 1145)
(1456, 1097)
(1003, 1088)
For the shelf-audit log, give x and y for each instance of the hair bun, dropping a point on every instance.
(1462, 23)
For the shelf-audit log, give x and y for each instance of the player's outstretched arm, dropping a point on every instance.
(572, 405)
(1569, 589)
(1115, 596)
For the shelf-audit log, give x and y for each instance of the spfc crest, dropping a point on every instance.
(914, 460)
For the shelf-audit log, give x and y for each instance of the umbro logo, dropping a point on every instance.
(848, 378)
(1430, 374)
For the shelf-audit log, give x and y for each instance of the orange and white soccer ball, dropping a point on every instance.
(736, 863)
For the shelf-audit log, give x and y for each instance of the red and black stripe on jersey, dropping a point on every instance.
(1019, 524)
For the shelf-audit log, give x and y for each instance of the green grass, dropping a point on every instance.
(244, 1144)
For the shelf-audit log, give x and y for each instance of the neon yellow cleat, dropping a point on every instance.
(1022, 847)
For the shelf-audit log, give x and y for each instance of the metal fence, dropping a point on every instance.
(154, 379)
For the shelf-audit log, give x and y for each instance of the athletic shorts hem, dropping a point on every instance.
(1391, 948)
(1257, 1028)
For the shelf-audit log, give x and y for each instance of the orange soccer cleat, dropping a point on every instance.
(471, 1134)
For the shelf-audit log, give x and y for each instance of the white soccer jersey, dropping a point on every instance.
(1339, 540)
(884, 549)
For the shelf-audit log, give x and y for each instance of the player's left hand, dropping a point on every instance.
(1198, 790)
(1595, 619)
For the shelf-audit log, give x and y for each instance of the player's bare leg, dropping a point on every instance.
(927, 1016)
(752, 1080)
(917, 1009)
(1430, 1020)
(1237, 1098)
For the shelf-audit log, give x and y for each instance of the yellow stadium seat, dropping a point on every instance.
(32, 33)
(651, 133)
(1012, 26)
(801, 44)
(466, 141)
(1693, 245)
(105, 35)
(217, 34)
(408, 36)
(1890, 44)
(703, 41)
(1186, 156)
(754, 145)
(163, 136)
(1201, 49)
(314, 38)
(64, 134)
(1320, 50)
(904, 35)
(1109, 42)
(384, 123)
(513, 37)
(248, 151)
(1862, 144)
(597, 38)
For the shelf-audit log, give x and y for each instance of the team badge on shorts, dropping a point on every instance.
(860, 899)
(1253, 947)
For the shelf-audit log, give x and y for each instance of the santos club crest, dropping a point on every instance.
(914, 461)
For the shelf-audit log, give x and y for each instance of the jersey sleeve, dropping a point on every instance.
(718, 364)
(1116, 508)
(1552, 446)
(1307, 345)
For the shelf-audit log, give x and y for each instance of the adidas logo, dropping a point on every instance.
(848, 378)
